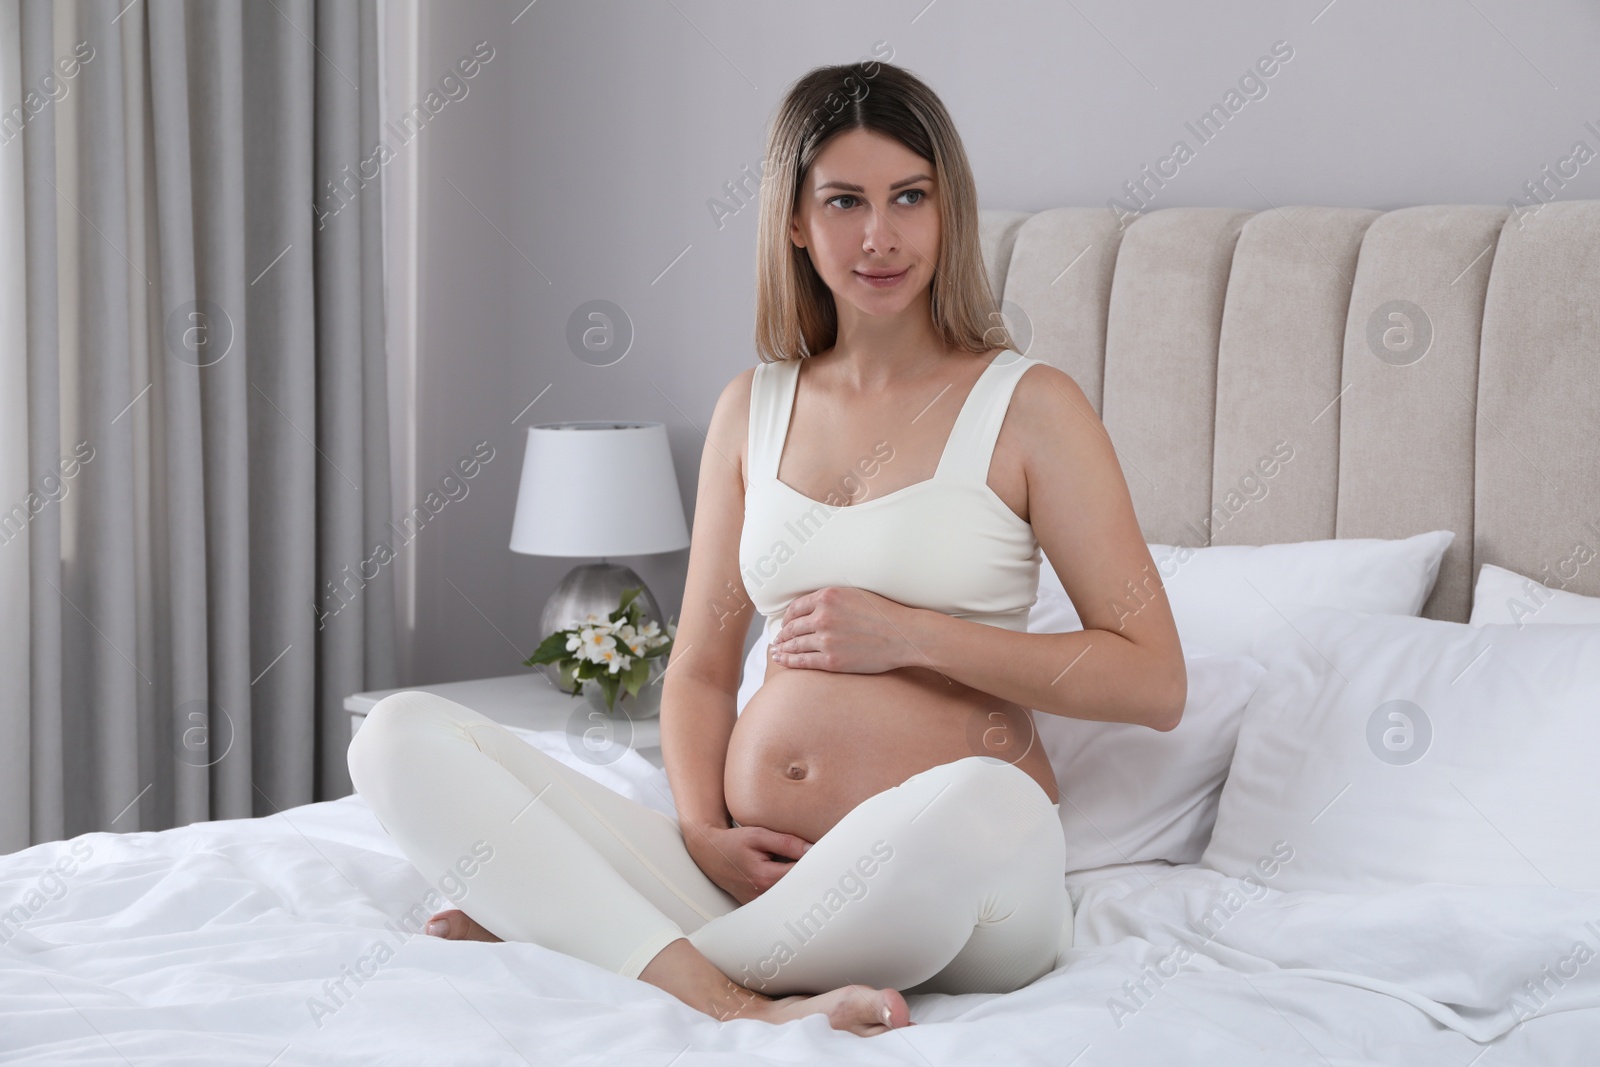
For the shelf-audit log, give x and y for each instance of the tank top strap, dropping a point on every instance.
(772, 390)
(970, 449)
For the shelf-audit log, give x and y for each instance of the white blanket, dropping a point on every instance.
(278, 941)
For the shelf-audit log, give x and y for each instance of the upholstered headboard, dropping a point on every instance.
(1427, 368)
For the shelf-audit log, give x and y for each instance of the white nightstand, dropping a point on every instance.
(525, 700)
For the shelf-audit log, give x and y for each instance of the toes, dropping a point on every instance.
(453, 925)
(890, 1008)
(896, 1011)
(457, 925)
(883, 1010)
(442, 925)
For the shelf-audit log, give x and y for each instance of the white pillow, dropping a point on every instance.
(1224, 596)
(1391, 751)
(1130, 793)
(1506, 597)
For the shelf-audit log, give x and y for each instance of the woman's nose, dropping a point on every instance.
(880, 236)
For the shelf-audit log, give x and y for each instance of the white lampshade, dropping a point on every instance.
(598, 489)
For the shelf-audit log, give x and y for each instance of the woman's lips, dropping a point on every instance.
(882, 282)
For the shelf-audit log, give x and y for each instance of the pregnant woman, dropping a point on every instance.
(879, 820)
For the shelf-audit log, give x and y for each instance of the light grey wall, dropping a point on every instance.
(599, 133)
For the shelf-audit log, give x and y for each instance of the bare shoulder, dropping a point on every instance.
(1045, 388)
(1051, 413)
(736, 395)
(730, 420)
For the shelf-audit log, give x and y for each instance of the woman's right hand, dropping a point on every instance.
(741, 860)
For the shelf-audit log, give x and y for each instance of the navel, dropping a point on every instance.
(796, 770)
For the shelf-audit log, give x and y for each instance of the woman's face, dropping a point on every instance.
(867, 207)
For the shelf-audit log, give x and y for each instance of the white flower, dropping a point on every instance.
(617, 660)
(632, 638)
(598, 645)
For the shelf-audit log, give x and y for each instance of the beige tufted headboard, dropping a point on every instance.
(1432, 367)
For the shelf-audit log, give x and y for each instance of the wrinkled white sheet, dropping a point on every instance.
(223, 943)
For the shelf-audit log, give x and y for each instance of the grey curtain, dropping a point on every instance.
(191, 585)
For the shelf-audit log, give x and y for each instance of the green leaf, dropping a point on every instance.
(550, 649)
(608, 685)
(627, 598)
(635, 675)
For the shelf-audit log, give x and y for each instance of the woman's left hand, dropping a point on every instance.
(843, 629)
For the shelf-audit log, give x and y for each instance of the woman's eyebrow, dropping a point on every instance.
(851, 188)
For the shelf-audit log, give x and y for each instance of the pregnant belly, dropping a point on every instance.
(812, 744)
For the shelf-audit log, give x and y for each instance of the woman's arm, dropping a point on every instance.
(700, 687)
(701, 683)
(1126, 665)
(696, 720)
(1086, 674)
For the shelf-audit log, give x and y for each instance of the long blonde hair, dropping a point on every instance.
(795, 311)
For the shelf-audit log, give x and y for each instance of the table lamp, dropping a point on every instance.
(597, 488)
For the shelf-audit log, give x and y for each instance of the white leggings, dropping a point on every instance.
(952, 882)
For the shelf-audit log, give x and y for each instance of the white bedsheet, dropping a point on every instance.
(218, 943)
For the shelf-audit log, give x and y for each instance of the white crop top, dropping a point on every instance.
(947, 543)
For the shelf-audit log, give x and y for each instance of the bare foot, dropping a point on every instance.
(683, 971)
(457, 925)
(859, 1009)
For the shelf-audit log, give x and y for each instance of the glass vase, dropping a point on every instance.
(646, 705)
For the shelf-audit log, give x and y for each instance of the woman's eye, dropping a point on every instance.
(919, 193)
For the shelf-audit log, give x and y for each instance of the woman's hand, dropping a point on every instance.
(843, 629)
(740, 859)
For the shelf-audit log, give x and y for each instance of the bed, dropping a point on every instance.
(1436, 368)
